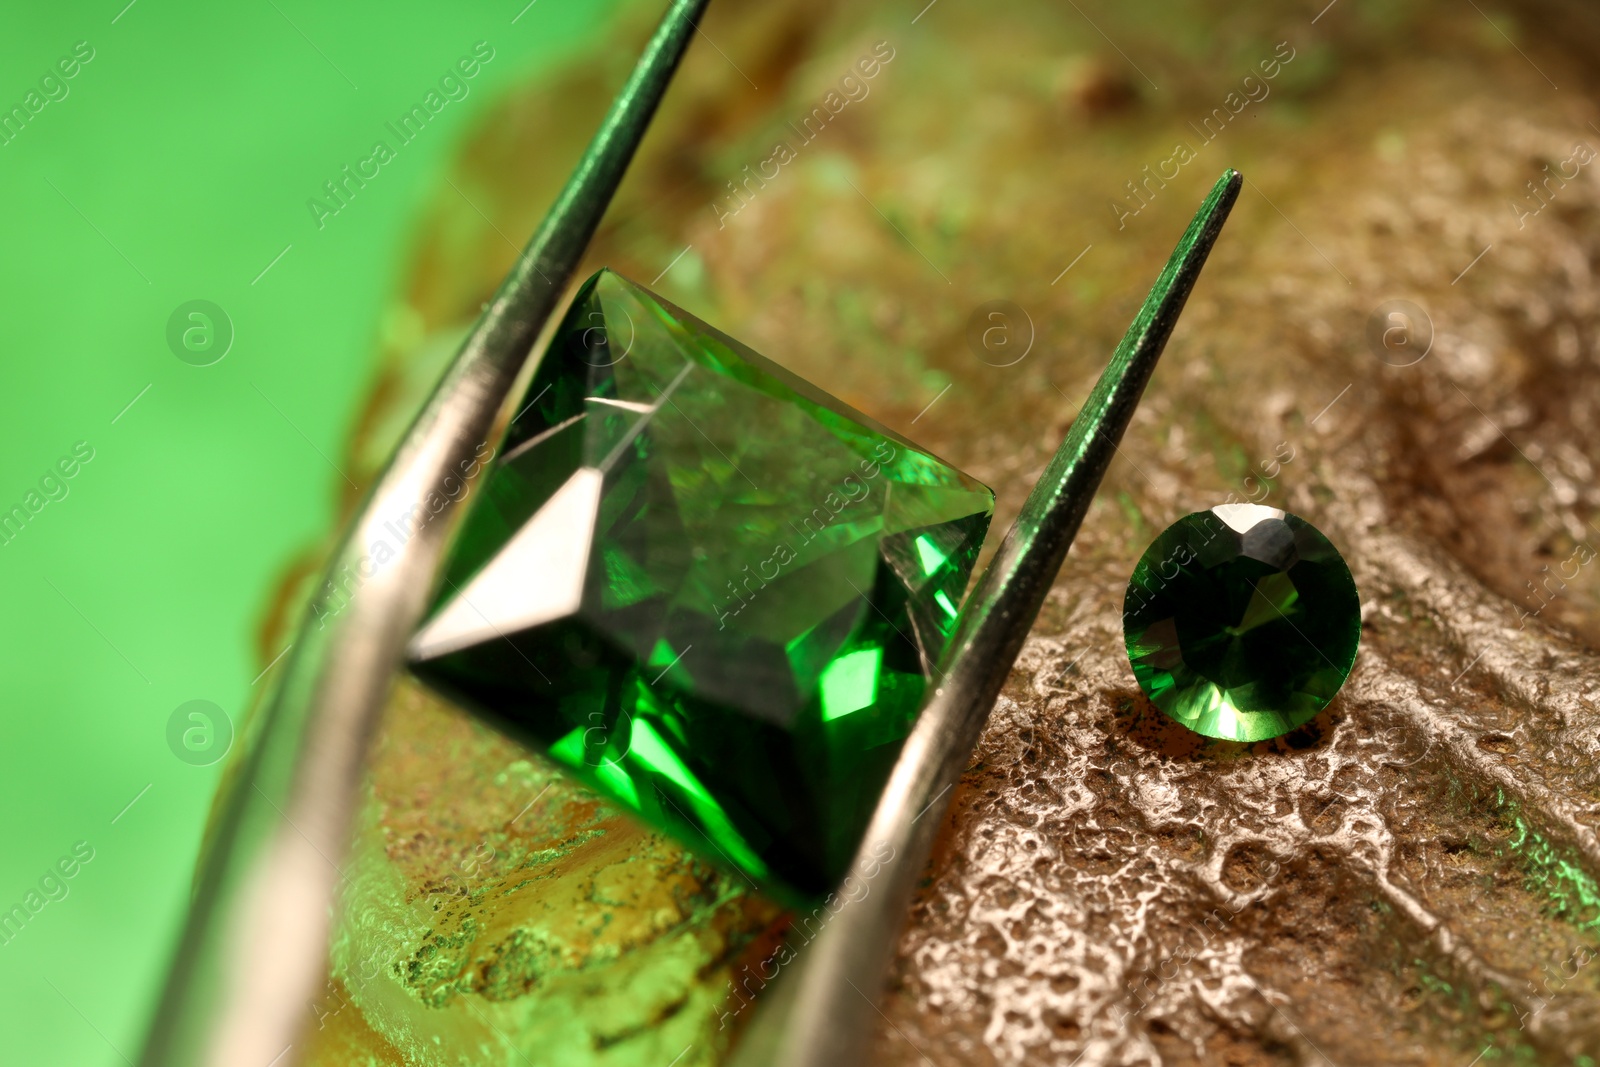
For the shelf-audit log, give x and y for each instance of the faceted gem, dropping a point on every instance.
(711, 590)
(1241, 622)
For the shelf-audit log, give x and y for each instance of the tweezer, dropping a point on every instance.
(253, 950)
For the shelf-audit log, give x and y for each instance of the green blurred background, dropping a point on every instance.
(177, 167)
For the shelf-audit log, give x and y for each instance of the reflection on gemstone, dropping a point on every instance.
(711, 590)
(1241, 622)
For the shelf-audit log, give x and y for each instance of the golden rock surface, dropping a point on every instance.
(1408, 880)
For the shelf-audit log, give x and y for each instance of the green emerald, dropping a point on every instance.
(710, 589)
(1242, 622)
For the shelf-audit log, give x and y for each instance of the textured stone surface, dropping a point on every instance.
(490, 894)
(1407, 880)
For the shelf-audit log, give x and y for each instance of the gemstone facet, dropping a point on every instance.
(712, 591)
(1241, 622)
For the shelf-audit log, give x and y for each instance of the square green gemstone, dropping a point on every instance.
(710, 589)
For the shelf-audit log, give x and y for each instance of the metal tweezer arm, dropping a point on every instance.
(253, 951)
(819, 1014)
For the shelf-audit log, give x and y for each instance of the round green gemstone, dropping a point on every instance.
(1242, 622)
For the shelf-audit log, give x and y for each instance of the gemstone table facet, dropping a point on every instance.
(712, 591)
(1241, 622)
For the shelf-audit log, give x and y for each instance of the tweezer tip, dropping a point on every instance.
(1218, 203)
